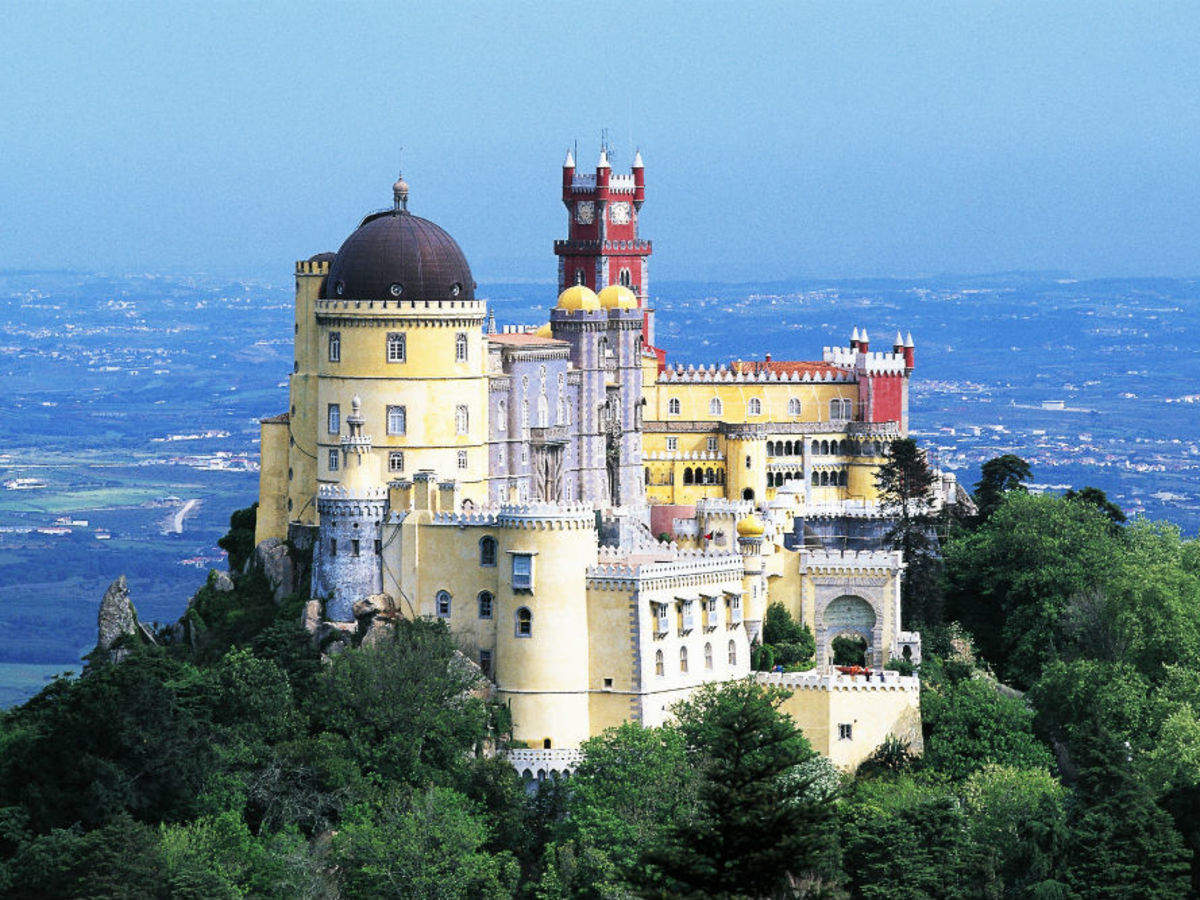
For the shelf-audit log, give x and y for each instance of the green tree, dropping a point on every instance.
(792, 644)
(405, 705)
(238, 542)
(999, 476)
(970, 724)
(905, 484)
(1020, 817)
(424, 844)
(755, 828)
(1098, 499)
(1014, 577)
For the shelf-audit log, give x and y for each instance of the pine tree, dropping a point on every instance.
(905, 485)
(998, 477)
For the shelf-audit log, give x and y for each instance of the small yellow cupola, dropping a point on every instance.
(578, 296)
(617, 296)
(544, 331)
(751, 526)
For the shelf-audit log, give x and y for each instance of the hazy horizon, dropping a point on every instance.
(781, 141)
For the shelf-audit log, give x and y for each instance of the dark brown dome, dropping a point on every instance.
(396, 255)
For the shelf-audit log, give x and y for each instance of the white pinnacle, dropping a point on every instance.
(864, 339)
(570, 163)
(603, 164)
(908, 341)
(637, 160)
(854, 337)
(899, 340)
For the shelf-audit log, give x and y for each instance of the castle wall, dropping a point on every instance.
(272, 520)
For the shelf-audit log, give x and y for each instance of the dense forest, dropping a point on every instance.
(1060, 697)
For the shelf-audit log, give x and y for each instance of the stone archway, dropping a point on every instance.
(848, 616)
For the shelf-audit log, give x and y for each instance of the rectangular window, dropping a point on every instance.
(485, 662)
(522, 572)
(462, 459)
(396, 349)
(712, 445)
(334, 415)
(396, 461)
(672, 443)
(460, 347)
(397, 420)
(335, 346)
(333, 460)
(845, 732)
(354, 548)
(378, 547)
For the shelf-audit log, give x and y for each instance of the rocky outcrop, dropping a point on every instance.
(220, 581)
(117, 624)
(274, 558)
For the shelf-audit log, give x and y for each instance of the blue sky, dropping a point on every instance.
(797, 139)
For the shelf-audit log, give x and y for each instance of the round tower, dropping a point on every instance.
(750, 531)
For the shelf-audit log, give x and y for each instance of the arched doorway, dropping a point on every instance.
(748, 494)
(848, 631)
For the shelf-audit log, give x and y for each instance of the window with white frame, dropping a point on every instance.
(708, 657)
(714, 406)
(442, 604)
(754, 407)
(460, 347)
(672, 443)
(396, 461)
(522, 571)
(333, 460)
(335, 346)
(683, 661)
(659, 668)
(674, 406)
(397, 420)
(333, 413)
(794, 406)
(396, 350)
(461, 420)
(732, 653)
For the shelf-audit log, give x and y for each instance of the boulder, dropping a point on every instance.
(377, 632)
(220, 581)
(275, 560)
(310, 616)
(117, 620)
(376, 604)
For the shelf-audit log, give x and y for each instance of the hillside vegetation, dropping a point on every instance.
(1061, 699)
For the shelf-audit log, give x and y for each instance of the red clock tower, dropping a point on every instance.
(602, 246)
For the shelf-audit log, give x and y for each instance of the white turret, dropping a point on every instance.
(637, 160)
(570, 161)
(603, 164)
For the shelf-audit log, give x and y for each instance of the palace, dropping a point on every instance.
(601, 530)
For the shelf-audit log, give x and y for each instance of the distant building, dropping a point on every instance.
(602, 531)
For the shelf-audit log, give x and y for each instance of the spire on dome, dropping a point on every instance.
(400, 194)
(570, 161)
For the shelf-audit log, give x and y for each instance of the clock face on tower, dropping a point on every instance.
(585, 212)
(621, 213)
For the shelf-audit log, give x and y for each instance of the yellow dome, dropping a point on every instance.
(617, 296)
(578, 296)
(544, 331)
(750, 527)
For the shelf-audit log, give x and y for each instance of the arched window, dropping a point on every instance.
(714, 406)
(579, 277)
(824, 479)
(710, 477)
(843, 478)
(683, 659)
(625, 278)
(442, 602)
(787, 448)
(487, 550)
(732, 653)
(816, 448)
(658, 662)
(824, 448)
(794, 406)
(816, 479)
(460, 347)
(720, 476)
(397, 420)
(461, 420)
(708, 659)
(687, 476)
(754, 407)
(524, 622)
(485, 605)
(673, 406)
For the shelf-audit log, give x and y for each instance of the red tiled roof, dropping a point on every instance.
(783, 367)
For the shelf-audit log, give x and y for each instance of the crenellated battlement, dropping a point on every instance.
(719, 506)
(869, 363)
(615, 570)
(454, 309)
(535, 515)
(849, 561)
(312, 267)
(830, 679)
(714, 374)
(539, 764)
(340, 492)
